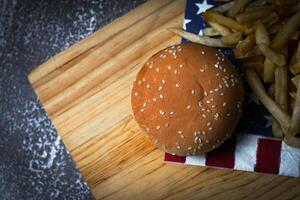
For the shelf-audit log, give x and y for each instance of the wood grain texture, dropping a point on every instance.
(86, 92)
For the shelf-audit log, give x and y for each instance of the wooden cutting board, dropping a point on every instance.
(86, 92)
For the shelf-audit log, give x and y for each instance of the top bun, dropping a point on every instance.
(188, 99)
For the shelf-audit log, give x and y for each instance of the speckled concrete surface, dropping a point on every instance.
(34, 163)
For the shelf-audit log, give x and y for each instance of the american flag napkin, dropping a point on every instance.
(252, 147)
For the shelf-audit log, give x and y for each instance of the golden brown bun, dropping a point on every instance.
(188, 99)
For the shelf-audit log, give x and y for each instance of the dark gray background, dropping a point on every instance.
(34, 163)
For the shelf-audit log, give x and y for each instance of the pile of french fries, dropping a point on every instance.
(265, 38)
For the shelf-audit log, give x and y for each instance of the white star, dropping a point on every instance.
(200, 32)
(253, 98)
(202, 7)
(186, 21)
(269, 121)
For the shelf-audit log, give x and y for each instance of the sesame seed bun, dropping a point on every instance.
(187, 98)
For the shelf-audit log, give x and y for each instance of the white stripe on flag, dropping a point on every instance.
(195, 160)
(290, 161)
(245, 152)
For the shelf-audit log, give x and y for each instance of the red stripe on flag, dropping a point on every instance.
(171, 158)
(222, 156)
(268, 156)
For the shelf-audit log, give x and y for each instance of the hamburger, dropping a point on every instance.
(188, 99)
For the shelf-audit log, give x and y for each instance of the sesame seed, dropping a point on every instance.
(208, 124)
(205, 93)
(238, 105)
(236, 80)
(217, 74)
(135, 94)
(167, 125)
(203, 109)
(196, 140)
(203, 133)
(175, 71)
(224, 104)
(224, 70)
(157, 69)
(220, 86)
(203, 115)
(140, 82)
(216, 116)
(143, 79)
(163, 81)
(216, 90)
(142, 110)
(213, 146)
(228, 114)
(144, 104)
(210, 128)
(193, 92)
(164, 56)
(182, 136)
(208, 101)
(180, 132)
(173, 47)
(207, 141)
(169, 67)
(161, 96)
(173, 154)
(158, 127)
(155, 141)
(147, 63)
(147, 129)
(181, 65)
(177, 85)
(159, 88)
(221, 93)
(202, 52)
(150, 67)
(209, 111)
(201, 70)
(172, 113)
(154, 99)
(178, 147)
(216, 65)
(148, 86)
(213, 106)
(200, 141)
(200, 104)
(211, 91)
(188, 107)
(162, 112)
(189, 148)
(195, 133)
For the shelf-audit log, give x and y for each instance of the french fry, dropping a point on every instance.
(252, 16)
(275, 57)
(238, 6)
(258, 3)
(295, 121)
(223, 30)
(295, 80)
(224, 8)
(270, 19)
(287, 32)
(257, 65)
(281, 87)
(212, 42)
(276, 129)
(292, 141)
(269, 68)
(261, 34)
(293, 95)
(245, 45)
(209, 31)
(271, 91)
(255, 8)
(232, 38)
(280, 115)
(295, 61)
(216, 17)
